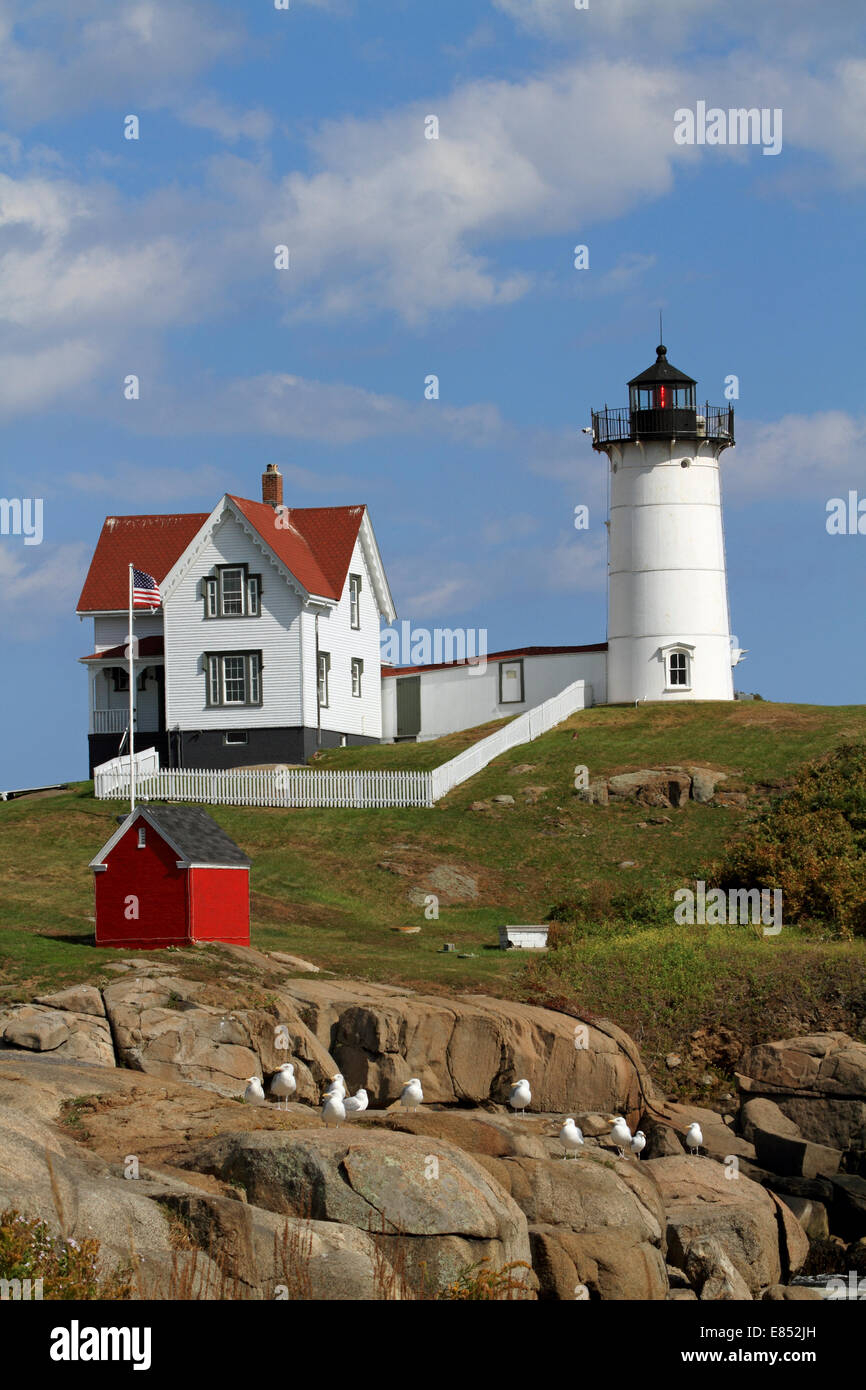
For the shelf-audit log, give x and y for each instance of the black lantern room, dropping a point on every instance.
(662, 400)
(662, 405)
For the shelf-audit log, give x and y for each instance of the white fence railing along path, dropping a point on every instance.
(331, 787)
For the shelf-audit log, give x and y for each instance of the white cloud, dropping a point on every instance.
(59, 60)
(209, 113)
(796, 457)
(36, 585)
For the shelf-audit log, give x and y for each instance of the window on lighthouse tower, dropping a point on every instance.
(678, 669)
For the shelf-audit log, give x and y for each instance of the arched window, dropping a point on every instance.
(678, 659)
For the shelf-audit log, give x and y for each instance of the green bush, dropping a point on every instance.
(811, 844)
(601, 905)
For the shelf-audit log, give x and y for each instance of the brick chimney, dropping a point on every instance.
(272, 486)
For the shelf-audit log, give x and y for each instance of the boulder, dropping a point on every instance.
(36, 1030)
(701, 1199)
(591, 1223)
(431, 1207)
(75, 1036)
(468, 1048)
(78, 999)
(760, 1113)
(164, 1027)
(713, 1273)
(267, 1256)
(704, 782)
(812, 1216)
(651, 787)
(817, 1081)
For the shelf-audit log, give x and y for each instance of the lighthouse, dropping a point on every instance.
(669, 631)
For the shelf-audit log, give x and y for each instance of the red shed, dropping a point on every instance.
(168, 876)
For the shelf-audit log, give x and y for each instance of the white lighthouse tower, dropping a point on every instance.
(669, 632)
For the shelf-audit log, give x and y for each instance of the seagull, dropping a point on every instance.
(356, 1103)
(694, 1137)
(411, 1095)
(333, 1110)
(520, 1096)
(283, 1083)
(638, 1143)
(620, 1134)
(571, 1137)
(336, 1086)
(254, 1095)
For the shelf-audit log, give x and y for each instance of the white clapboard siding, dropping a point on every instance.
(345, 712)
(332, 787)
(276, 632)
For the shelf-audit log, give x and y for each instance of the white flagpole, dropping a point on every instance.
(131, 702)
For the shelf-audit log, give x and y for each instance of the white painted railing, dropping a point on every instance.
(323, 787)
(109, 721)
(523, 729)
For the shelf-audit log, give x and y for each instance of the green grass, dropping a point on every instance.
(317, 890)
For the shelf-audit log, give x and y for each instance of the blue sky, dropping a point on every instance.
(410, 257)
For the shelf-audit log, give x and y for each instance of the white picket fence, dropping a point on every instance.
(331, 787)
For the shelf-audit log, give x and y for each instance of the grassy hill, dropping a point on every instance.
(319, 888)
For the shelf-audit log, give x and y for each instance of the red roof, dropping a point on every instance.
(314, 543)
(151, 543)
(494, 656)
(147, 646)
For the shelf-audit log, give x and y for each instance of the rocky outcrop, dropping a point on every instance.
(817, 1081)
(762, 1241)
(164, 1026)
(81, 1036)
(653, 786)
(592, 1224)
(432, 1208)
(468, 1049)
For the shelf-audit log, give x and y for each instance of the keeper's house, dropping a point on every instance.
(267, 642)
(170, 876)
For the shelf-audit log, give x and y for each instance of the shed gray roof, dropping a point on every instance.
(196, 834)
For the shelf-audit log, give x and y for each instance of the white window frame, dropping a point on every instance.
(357, 669)
(355, 602)
(683, 649)
(322, 692)
(239, 571)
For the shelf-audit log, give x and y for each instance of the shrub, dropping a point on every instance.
(602, 905)
(811, 844)
(68, 1269)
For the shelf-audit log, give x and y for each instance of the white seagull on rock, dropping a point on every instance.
(333, 1110)
(694, 1137)
(254, 1095)
(638, 1143)
(336, 1087)
(571, 1137)
(411, 1095)
(283, 1083)
(356, 1103)
(620, 1134)
(520, 1096)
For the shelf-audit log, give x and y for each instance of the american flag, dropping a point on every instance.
(145, 590)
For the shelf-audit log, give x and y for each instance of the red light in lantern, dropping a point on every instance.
(662, 397)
